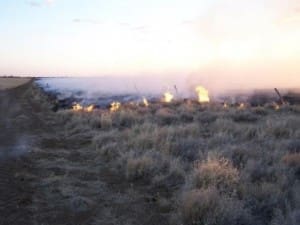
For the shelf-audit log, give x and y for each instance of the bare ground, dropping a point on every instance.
(12, 82)
(49, 176)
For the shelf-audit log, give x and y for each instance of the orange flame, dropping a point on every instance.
(202, 94)
(77, 107)
(114, 106)
(242, 105)
(168, 97)
(145, 101)
(276, 106)
(89, 108)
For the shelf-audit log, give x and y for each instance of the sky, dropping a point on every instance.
(217, 40)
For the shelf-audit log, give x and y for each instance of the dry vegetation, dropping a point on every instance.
(202, 164)
(12, 82)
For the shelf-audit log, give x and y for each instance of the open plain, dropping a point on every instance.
(164, 163)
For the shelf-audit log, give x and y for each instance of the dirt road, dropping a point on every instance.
(51, 174)
(15, 138)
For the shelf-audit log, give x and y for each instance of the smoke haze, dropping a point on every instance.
(181, 86)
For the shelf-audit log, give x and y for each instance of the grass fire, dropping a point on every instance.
(78, 107)
(150, 112)
(168, 97)
(202, 94)
(178, 159)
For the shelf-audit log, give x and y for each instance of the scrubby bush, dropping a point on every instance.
(145, 166)
(293, 145)
(292, 160)
(140, 167)
(206, 117)
(166, 116)
(105, 121)
(208, 164)
(217, 173)
(241, 155)
(208, 207)
(263, 199)
(126, 118)
(262, 111)
(244, 116)
(172, 179)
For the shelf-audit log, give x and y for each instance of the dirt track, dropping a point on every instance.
(15, 138)
(49, 175)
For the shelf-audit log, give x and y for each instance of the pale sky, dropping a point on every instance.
(219, 38)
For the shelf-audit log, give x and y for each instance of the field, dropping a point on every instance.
(11, 82)
(166, 163)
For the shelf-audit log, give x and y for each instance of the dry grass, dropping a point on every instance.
(218, 173)
(292, 160)
(12, 82)
(207, 164)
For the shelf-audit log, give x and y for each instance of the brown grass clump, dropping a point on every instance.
(292, 160)
(208, 207)
(260, 111)
(217, 173)
(139, 167)
(126, 118)
(105, 121)
(244, 116)
(200, 205)
(166, 116)
(145, 166)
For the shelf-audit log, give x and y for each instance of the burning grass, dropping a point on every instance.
(209, 164)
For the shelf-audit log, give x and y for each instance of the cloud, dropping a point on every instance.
(40, 3)
(34, 4)
(88, 21)
(124, 24)
(142, 28)
(189, 22)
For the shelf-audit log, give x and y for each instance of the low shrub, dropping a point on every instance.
(105, 121)
(206, 117)
(218, 173)
(292, 160)
(244, 116)
(144, 166)
(208, 207)
(166, 116)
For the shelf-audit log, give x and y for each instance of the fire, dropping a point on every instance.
(202, 94)
(276, 106)
(89, 108)
(77, 107)
(114, 106)
(168, 97)
(242, 105)
(145, 101)
(225, 105)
